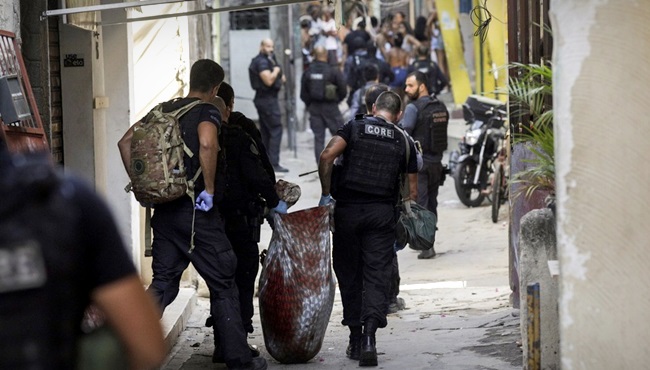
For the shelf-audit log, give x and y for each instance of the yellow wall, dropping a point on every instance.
(490, 55)
(452, 38)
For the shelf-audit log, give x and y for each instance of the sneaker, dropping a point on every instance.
(396, 304)
(401, 304)
(258, 363)
(217, 356)
(427, 254)
(278, 168)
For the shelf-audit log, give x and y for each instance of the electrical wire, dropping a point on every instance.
(481, 18)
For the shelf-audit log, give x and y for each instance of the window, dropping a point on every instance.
(254, 19)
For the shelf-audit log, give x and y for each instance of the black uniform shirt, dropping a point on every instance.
(76, 241)
(261, 63)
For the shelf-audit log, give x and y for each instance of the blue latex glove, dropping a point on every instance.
(325, 200)
(204, 201)
(281, 207)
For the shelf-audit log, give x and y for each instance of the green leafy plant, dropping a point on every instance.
(531, 92)
(540, 175)
(531, 95)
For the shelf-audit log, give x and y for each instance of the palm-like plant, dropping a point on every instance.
(531, 92)
(531, 97)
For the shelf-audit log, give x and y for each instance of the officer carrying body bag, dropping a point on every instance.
(416, 225)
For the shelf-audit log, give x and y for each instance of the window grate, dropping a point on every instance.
(254, 19)
(26, 134)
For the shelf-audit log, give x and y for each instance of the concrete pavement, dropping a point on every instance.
(457, 312)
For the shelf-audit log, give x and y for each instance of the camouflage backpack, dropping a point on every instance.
(158, 173)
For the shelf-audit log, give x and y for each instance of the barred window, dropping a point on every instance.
(254, 19)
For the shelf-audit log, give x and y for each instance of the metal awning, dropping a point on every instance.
(135, 4)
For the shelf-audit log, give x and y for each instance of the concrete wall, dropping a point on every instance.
(601, 109)
(538, 246)
(10, 16)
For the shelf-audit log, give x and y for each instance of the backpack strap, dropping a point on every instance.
(404, 188)
(178, 113)
(148, 250)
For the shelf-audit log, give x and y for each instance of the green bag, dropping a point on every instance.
(99, 347)
(416, 226)
(330, 92)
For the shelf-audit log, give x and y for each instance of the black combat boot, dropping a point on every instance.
(368, 355)
(354, 347)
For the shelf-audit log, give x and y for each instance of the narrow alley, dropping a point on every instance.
(457, 315)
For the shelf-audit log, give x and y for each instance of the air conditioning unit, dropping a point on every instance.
(13, 104)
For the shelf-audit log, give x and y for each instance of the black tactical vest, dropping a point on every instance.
(428, 67)
(318, 77)
(41, 287)
(233, 140)
(424, 66)
(373, 158)
(431, 125)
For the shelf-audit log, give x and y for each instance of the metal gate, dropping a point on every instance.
(25, 134)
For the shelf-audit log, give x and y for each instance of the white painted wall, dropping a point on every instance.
(134, 67)
(77, 97)
(601, 108)
(159, 66)
(118, 72)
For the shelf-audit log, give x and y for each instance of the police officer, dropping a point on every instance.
(322, 88)
(266, 79)
(249, 189)
(60, 250)
(371, 76)
(395, 303)
(436, 80)
(374, 158)
(426, 119)
(176, 223)
(227, 93)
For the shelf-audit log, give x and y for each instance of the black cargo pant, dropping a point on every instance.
(268, 110)
(214, 260)
(323, 116)
(240, 232)
(362, 259)
(429, 178)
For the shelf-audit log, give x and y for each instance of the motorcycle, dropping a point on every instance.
(471, 164)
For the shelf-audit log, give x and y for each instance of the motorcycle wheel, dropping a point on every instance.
(468, 194)
(497, 184)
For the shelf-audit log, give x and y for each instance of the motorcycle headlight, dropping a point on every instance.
(471, 137)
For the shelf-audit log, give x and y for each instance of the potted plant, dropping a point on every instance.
(530, 95)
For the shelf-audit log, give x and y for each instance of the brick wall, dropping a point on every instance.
(40, 50)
